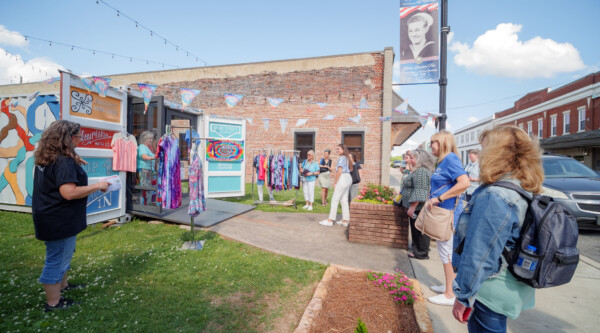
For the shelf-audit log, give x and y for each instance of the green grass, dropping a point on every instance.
(138, 281)
(284, 196)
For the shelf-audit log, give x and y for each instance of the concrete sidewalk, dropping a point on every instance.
(570, 308)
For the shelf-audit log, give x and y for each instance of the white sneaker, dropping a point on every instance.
(310, 208)
(305, 207)
(438, 289)
(441, 300)
(326, 223)
(342, 223)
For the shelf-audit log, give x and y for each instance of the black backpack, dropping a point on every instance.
(550, 228)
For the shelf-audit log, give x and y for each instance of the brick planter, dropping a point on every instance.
(378, 224)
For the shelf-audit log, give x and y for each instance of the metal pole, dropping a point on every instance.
(443, 64)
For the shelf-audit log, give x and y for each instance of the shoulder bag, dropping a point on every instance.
(355, 175)
(437, 222)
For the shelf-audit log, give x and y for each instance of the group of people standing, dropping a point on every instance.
(487, 220)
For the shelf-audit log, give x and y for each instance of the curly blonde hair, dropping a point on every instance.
(57, 140)
(509, 150)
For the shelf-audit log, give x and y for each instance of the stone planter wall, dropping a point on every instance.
(378, 224)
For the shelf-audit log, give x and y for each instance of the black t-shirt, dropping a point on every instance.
(322, 163)
(54, 217)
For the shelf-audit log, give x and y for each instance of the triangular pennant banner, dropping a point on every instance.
(32, 96)
(147, 91)
(266, 123)
(321, 105)
(231, 99)
(301, 122)
(364, 104)
(14, 104)
(355, 119)
(102, 84)
(274, 101)
(187, 96)
(385, 118)
(249, 120)
(88, 83)
(52, 80)
(283, 123)
(423, 120)
(402, 108)
(329, 117)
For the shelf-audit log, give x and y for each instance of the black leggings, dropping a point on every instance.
(420, 241)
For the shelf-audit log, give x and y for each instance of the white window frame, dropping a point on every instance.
(530, 128)
(553, 128)
(540, 128)
(521, 125)
(566, 122)
(581, 118)
(472, 136)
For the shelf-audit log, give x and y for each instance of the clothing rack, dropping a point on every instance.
(291, 202)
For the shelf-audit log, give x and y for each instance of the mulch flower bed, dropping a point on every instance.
(350, 296)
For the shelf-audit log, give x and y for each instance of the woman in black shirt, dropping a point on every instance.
(60, 191)
(325, 176)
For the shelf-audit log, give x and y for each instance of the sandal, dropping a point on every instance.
(411, 255)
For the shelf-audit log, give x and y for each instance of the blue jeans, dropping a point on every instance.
(485, 320)
(58, 259)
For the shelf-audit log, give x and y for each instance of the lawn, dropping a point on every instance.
(284, 196)
(139, 281)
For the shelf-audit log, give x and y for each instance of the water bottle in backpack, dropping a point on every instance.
(527, 262)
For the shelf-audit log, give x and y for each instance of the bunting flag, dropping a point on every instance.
(423, 120)
(388, 118)
(187, 96)
(88, 83)
(321, 105)
(266, 123)
(402, 108)
(274, 101)
(231, 99)
(14, 104)
(355, 119)
(329, 117)
(102, 84)
(249, 120)
(301, 122)
(283, 123)
(147, 91)
(52, 80)
(32, 96)
(364, 104)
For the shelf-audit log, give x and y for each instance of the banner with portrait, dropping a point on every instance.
(419, 41)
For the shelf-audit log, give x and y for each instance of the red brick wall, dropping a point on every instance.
(340, 87)
(378, 224)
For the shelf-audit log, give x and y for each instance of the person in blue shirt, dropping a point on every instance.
(145, 163)
(448, 182)
(490, 223)
(309, 171)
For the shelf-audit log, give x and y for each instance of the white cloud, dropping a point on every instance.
(450, 37)
(12, 68)
(12, 38)
(472, 119)
(499, 52)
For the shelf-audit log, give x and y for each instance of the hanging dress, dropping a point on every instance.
(169, 173)
(196, 183)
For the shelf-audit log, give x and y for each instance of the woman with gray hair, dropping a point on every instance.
(415, 192)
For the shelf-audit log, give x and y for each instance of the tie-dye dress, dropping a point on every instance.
(196, 181)
(169, 174)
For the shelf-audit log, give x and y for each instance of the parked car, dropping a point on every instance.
(575, 186)
(397, 163)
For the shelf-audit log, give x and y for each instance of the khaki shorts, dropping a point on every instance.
(324, 180)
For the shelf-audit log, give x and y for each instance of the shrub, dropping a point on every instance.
(399, 286)
(377, 194)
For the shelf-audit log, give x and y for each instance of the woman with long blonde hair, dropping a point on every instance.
(448, 182)
(493, 223)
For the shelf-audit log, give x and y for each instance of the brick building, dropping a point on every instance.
(566, 119)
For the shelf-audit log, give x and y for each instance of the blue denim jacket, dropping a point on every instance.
(489, 222)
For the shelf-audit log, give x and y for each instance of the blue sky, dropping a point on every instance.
(525, 45)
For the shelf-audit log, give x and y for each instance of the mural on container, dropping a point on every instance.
(22, 121)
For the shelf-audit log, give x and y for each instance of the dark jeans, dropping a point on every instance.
(484, 320)
(420, 241)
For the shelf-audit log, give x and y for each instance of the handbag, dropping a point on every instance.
(437, 222)
(355, 175)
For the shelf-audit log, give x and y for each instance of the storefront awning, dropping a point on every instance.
(577, 140)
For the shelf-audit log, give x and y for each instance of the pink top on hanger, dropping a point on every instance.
(124, 152)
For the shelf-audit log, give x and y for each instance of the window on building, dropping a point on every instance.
(355, 143)
(304, 142)
(581, 122)
(540, 128)
(521, 125)
(566, 122)
(530, 129)
(472, 136)
(553, 125)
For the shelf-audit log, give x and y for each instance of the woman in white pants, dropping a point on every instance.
(309, 171)
(342, 186)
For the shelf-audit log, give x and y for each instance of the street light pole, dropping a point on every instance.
(443, 64)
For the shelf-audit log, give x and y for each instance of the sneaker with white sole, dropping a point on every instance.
(326, 223)
(342, 223)
(438, 289)
(310, 208)
(305, 207)
(441, 300)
